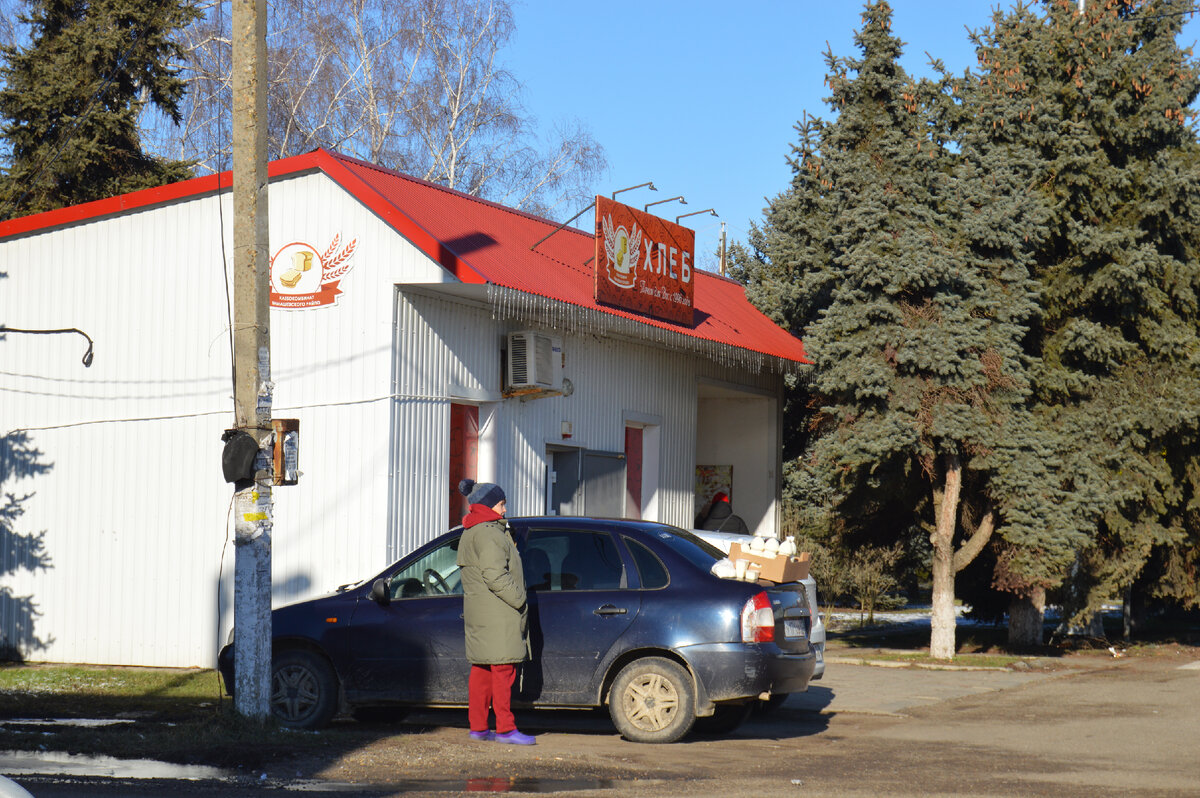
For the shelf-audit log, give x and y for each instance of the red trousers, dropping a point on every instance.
(490, 688)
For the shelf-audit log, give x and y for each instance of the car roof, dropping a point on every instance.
(584, 520)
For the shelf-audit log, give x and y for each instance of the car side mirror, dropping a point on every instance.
(380, 593)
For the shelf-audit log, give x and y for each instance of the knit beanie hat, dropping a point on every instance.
(485, 493)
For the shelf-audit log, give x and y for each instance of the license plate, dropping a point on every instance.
(793, 628)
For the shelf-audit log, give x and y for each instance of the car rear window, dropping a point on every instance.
(696, 551)
(652, 572)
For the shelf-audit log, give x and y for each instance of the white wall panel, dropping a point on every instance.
(441, 357)
(133, 505)
(134, 508)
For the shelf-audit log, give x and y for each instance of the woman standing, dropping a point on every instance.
(494, 612)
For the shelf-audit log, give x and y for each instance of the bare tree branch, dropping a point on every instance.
(415, 85)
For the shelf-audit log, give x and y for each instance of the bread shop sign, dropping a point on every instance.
(644, 263)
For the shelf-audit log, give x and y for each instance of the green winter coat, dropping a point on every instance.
(494, 612)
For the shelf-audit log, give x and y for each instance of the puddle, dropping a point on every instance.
(535, 785)
(87, 723)
(482, 784)
(56, 763)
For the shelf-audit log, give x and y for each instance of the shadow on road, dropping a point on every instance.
(800, 715)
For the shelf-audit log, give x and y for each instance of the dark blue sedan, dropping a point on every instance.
(621, 613)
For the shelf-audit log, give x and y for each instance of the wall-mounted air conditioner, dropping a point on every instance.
(535, 362)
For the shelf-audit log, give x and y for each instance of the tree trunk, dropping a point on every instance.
(942, 620)
(1026, 619)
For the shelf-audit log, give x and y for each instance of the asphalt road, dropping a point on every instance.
(1126, 727)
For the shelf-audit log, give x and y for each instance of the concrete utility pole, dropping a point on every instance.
(722, 256)
(251, 360)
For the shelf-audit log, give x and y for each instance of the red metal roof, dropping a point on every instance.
(478, 242)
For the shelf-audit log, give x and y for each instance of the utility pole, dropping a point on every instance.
(722, 249)
(251, 362)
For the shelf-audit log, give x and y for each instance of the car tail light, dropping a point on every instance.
(758, 619)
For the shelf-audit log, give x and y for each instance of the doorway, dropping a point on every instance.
(585, 482)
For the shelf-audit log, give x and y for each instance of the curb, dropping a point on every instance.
(875, 663)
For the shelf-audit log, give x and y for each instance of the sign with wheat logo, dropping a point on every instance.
(644, 263)
(302, 279)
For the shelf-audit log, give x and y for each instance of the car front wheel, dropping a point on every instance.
(653, 701)
(303, 690)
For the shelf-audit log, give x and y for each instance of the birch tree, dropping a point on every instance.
(414, 85)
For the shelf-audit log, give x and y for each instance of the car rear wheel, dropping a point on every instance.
(303, 690)
(652, 701)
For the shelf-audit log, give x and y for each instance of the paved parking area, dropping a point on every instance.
(1123, 727)
(883, 690)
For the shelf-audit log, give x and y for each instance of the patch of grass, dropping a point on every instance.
(81, 691)
(129, 682)
(174, 715)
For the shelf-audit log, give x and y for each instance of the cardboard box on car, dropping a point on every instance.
(773, 567)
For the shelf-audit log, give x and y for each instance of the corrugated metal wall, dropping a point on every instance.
(132, 511)
(447, 348)
(132, 507)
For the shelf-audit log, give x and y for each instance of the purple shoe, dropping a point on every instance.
(483, 736)
(515, 737)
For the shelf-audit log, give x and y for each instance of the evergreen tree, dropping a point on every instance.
(1098, 108)
(914, 308)
(70, 100)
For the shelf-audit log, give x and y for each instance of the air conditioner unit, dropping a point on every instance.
(535, 362)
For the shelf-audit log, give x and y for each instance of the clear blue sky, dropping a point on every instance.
(701, 96)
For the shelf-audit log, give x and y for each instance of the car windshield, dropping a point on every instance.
(700, 552)
(434, 574)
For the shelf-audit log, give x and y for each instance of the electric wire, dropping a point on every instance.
(203, 413)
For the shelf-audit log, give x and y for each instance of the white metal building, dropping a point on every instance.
(395, 307)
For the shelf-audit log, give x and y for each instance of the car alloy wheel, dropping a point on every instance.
(653, 701)
(303, 690)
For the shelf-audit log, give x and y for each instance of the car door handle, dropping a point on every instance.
(609, 609)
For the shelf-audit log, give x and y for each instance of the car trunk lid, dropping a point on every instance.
(793, 617)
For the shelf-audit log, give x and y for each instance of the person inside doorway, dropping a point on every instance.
(720, 516)
(495, 615)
